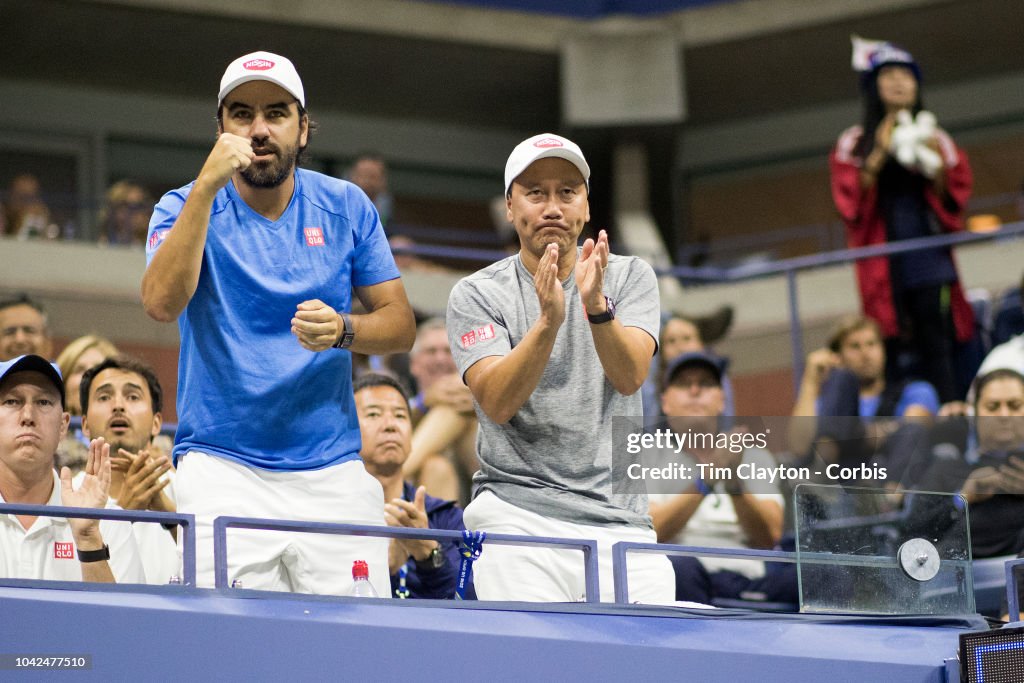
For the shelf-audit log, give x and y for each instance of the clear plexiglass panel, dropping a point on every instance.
(870, 551)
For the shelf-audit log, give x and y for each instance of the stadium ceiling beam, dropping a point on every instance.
(707, 24)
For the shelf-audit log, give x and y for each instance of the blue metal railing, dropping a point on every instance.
(1013, 589)
(222, 524)
(620, 549)
(791, 266)
(187, 523)
(587, 546)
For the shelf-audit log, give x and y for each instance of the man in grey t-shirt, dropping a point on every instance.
(553, 342)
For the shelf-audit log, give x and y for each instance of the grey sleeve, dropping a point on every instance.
(637, 301)
(476, 328)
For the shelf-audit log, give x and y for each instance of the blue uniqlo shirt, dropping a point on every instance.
(247, 390)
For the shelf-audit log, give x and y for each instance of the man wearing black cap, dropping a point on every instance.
(32, 423)
(723, 505)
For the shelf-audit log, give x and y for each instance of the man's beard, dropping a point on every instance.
(269, 174)
(128, 442)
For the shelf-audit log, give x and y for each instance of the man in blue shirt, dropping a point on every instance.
(845, 387)
(257, 259)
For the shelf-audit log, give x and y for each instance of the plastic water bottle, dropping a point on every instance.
(361, 586)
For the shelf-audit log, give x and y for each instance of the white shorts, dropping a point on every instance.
(537, 574)
(209, 486)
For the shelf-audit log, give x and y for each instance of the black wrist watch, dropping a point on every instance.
(94, 555)
(347, 335)
(434, 561)
(605, 317)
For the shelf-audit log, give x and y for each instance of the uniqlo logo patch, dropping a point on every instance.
(478, 335)
(63, 551)
(314, 237)
(157, 238)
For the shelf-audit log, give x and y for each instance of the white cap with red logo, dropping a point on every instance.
(262, 66)
(540, 147)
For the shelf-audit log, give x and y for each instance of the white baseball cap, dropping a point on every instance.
(540, 147)
(262, 66)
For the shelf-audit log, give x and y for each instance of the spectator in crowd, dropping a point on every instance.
(444, 442)
(25, 214)
(553, 342)
(77, 357)
(894, 177)
(683, 334)
(419, 569)
(32, 422)
(990, 477)
(846, 381)
(122, 402)
(369, 172)
(265, 405)
(23, 328)
(124, 218)
(722, 508)
(1009, 354)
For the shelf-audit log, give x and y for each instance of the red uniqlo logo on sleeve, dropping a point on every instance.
(314, 237)
(63, 551)
(478, 335)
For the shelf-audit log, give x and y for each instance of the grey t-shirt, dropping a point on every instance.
(554, 457)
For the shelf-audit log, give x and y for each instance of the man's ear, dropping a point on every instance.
(158, 422)
(304, 131)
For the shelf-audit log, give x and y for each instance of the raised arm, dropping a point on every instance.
(672, 516)
(502, 384)
(760, 518)
(388, 327)
(625, 352)
(803, 427)
(92, 493)
(172, 276)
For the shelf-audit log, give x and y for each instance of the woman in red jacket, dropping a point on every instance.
(898, 176)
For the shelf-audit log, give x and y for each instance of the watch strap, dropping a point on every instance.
(347, 335)
(94, 555)
(434, 561)
(607, 316)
